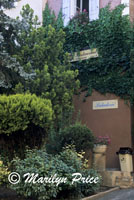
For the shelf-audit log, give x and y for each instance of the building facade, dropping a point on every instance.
(115, 122)
(37, 5)
(69, 7)
(111, 122)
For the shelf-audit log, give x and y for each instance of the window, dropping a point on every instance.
(69, 8)
(82, 5)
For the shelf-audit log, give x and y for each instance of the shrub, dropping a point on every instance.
(76, 134)
(46, 165)
(90, 188)
(18, 111)
(71, 157)
(24, 120)
(4, 172)
(36, 162)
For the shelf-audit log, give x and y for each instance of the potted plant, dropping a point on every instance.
(99, 152)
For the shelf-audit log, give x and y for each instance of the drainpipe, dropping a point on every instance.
(131, 10)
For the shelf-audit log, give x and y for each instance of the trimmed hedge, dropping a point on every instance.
(24, 122)
(18, 111)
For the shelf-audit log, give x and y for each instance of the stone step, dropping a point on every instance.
(124, 181)
(117, 178)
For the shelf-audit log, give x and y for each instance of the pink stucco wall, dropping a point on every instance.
(55, 5)
(113, 3)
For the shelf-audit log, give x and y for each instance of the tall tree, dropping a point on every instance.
(10, 70)
(41, 50)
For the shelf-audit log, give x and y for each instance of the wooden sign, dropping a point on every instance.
(108, 104)
(84, 55)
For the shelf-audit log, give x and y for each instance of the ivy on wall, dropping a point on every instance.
(113, 36)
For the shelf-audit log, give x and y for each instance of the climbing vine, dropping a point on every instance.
(113, 36)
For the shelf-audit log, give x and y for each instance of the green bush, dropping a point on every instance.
(24, 121)
(18, 111)
(39, 162)
(46, 165)
(69, 156)
(4, 172)
(76, 134)
(90, 188)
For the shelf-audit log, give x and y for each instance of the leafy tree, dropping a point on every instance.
(7, 3)
(49, 18)
(10, 69)
(38, 51)
(41, 50)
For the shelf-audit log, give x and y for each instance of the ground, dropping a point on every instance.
(123, 194)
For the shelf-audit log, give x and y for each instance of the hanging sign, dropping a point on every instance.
(84, 55)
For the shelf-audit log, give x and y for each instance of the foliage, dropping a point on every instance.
(69, 156)
(102, 140)
(49, 18)
(31, 21)
(80, 18)
(10, 69)
(45, 68)
(7, 3)
(76, 134)
(45, 165)
(24, 121)
(41, 51)
(41, 163)
(17, 112)
(4, 172)
(112, 34)
(80, 34)
(90, 188)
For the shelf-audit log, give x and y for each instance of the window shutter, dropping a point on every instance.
(93, 9)
(126, 10)
(73, 8)
(66, 11)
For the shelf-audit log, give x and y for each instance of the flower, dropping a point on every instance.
(84, 10)
(102, 140)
